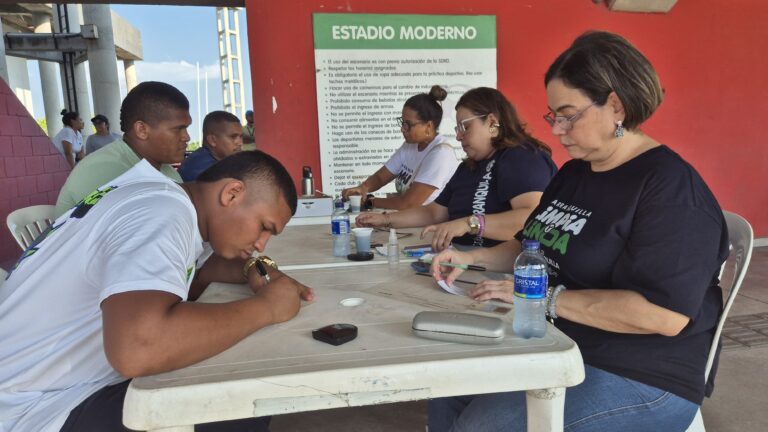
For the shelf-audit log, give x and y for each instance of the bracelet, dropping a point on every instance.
(248, 267)
(388, 220)
(259, 263)
(481, 218)
(552, 294)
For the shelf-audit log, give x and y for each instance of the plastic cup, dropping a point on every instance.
(354, 203)
(362, 239)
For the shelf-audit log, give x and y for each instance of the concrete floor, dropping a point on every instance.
(739, 403)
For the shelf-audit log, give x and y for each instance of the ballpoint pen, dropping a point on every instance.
(263, 271)
(461, 266)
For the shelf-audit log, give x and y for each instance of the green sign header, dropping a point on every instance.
(382, 31)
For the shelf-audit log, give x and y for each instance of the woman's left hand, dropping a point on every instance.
(443, 233)
(503, 290)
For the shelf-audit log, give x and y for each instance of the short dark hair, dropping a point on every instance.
(100, 118)
(253, 165)
(214, 119)
(427, 105)
(68, 116)
(485, 100)
(149, 102)
(599, 63)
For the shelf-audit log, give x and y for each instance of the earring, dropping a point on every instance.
(619, 132)
(494, 130)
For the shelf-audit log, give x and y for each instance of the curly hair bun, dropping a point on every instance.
(438, 93)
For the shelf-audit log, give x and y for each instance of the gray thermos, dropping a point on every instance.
(307, 182)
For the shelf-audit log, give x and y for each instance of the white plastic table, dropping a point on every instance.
(281, 369)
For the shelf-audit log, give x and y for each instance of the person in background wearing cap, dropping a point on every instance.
(102, 136)
(249, 142)
(221, 138)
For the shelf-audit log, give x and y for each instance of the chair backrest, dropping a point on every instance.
(740, 237)
(29, 222)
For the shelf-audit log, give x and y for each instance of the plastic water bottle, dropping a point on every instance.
(530, 292)
(340, 229)
(393, 250)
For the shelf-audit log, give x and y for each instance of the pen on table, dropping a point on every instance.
(461, 266)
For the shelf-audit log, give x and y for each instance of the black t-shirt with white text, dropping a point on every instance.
(650, 225)
(492, 183)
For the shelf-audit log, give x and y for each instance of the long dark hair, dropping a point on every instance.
(483, 101)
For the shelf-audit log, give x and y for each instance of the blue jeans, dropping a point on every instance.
(603, 402)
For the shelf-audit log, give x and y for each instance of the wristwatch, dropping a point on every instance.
(474, 224)
(368, 204)
(259, 262)
(267, 260)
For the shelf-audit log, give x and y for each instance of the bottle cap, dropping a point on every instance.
(530, 244)
(392, 236)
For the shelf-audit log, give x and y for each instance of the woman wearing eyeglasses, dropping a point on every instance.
(422, 165)
(494, 190)
(634, 239)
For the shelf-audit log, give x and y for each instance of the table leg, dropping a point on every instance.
(545, 409)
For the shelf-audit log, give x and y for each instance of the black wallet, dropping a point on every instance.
(335, 334)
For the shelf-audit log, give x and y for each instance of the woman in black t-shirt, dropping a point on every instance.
(634, 240)
(494, 190)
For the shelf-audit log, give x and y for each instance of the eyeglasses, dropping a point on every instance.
(461, 126)
(565, 123)
(405, 124)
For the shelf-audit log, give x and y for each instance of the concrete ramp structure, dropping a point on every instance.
(62, 37)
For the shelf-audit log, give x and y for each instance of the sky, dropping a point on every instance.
(174, 39)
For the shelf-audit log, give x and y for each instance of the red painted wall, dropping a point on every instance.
(710, 55)
(31, 169)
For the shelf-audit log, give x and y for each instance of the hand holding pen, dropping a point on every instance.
(454, 260)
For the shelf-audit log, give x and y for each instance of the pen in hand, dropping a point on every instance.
(461, 266)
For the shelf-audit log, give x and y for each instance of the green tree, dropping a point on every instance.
(43, 123)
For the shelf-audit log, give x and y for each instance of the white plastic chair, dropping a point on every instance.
(740, 237)
(29, 222)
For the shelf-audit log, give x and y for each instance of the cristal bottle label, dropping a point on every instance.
(531, 287)
(340, 227)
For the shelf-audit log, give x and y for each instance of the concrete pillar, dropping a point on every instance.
(81, 83)
(48, 82)
(130, 74)
(3, 64)
(102, 62)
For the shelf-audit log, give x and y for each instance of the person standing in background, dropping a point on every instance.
(69, 141)
(102, 136)
(249, 142)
